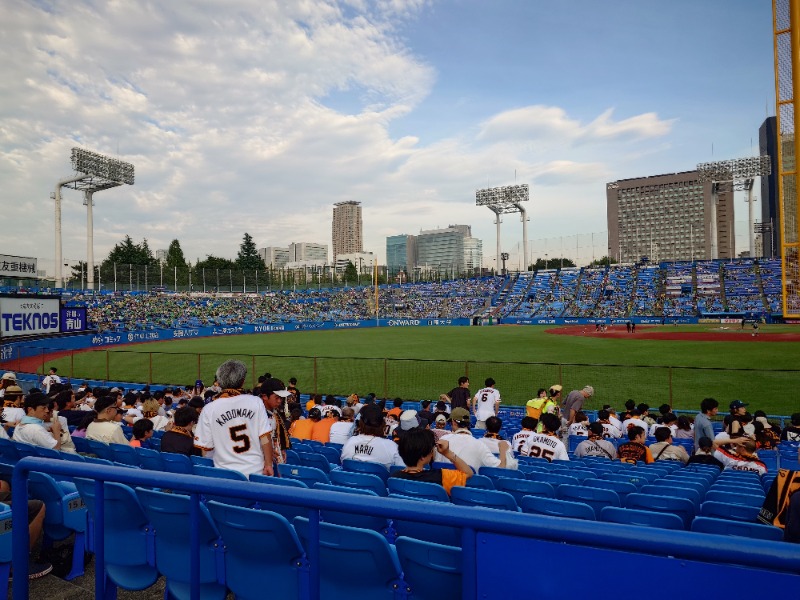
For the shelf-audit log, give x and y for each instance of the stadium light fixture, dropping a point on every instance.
(94, 172)
(506, 199)
(740, 172)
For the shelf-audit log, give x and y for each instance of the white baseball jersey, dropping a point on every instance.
(739, 463)
(484, 403)
(541, 445)
(579, 428)
(673, 429)
(611, 431)
(12, 414)
(519, 443)
(368, 448)
(234, 428)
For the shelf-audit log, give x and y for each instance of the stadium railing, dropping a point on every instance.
(493, 543)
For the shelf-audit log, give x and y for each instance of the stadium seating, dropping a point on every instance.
(378, 524)
(5, 542)
(726, 510)
(736, 498)
(308, 475)
(523, 487)
(420, 489)
(464, 496)
(262, 552)
(125, 454)
(621, 488)
(736, 528)
(288, 510)
(363, 481)
(176, 463)
(682, 507)
(222, 474)
(597, 498)
(557, 508)
(433, 571)
(643, 518)
(360, 466)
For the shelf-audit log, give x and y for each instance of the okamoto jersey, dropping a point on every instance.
(234, 428)
(541, 445)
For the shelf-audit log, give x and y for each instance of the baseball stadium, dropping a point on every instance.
(250, 431)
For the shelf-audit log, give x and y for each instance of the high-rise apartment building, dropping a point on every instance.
(449, 249)
(347, 228)
(669, 217)
(401, 253)
(274, 256)
(307, 251)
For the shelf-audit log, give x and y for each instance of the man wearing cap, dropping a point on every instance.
(440, 426)
(13, 412)
(409, 419)
(32, 430)
(236, 426)
(369, 445)
(485, 403)
(106, 427)
(733, 421)
(271, 392)
(7, 380)
(574, 403)
(471, 450)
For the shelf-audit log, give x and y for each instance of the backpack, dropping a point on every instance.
(534, 407)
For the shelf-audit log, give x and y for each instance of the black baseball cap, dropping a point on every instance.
(274, 386)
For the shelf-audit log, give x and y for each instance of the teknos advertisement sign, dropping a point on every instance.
(28, 316)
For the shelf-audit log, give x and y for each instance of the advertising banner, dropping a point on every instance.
(29, 316)
(17, 266)
(73, 319)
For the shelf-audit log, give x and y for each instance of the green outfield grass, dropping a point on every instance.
(418, 363)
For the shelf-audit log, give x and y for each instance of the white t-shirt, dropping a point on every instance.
(341, 431)
(579, 428)
(541, 445)
(34, 434)
(369, 448)
(673, 429)
(12, 414)
(611, 431)
(470, 450)
(615, 422)
(628, 423)
(484, 403)
(493, 445)
(328, 408)
(108, 432)
(234, 428)
(50, 380)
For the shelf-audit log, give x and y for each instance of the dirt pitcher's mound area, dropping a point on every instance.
(665, 332)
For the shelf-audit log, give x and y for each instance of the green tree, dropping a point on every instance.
(603, 262)
(215, 262)
(129, 253)
(175, 257)
(551, 263)
(350, 272)
(248, 257)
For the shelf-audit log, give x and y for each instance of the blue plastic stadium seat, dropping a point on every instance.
(65, 514)
(176, 463)
(432, 571)
(150, 459)
(523, 487)
(308, 475)
(5, 542)
(554, 479)
(726, 510)
(169, 515)
(480, 481)
(289, 511)
(465, 496)
(333, 455)
(597, 498)
(685, 509)
(736, 528)
(643, 518)
(378, 524)
(736, 498)
(557, 508)
(125, 454)
(494, 473)
(421, 489)
(222, 474)
(363, 481)
(621, 488)
(100, 449)
(129, 542)
(315, 460)
(741, 488)
(201, 461)
(262, 551)
(379, 571)
(674, 491)
(360, 466)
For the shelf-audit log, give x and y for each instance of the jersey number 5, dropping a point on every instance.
(239, 437)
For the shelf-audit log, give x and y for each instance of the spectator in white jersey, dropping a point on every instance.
(596, 445)
(520, 440)
(472, 451)
(342, 430)
(581, 425)
(496, 443)
(547, 445)
(235, 426)
(369, 445)
(485, 403)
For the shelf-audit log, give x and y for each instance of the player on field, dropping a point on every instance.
(235, 425)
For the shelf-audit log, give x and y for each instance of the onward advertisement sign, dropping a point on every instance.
(29, 316)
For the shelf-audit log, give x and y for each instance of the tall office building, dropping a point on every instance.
(308, 251)
(274, 256)
(447, 249)
(770, 215)
(473, 255)
(668, 217)
(401, 253)
(347, 228)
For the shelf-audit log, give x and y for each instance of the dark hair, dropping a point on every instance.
(705, 442)
(603, 415)
(315, 414)
(664, 409)
(197, 402)
(669, 418)
(141, 427)
(489, 382)
(494, 424)
(759, 413)
(62, 398)
(91, 415)
(415, 445)
(158, 395)
(709, 404)
(295, 414)
(596, 428)
(663, 434)
(425, 404)
(630, 405)
(317, 398)
(634, 432)
(580, 417)
(529, 423)
(463, 379)
(795, 418)
(185, 416)
(684, 423)
(539, 392)
(550, 422)
(643, 408)
(397, 402)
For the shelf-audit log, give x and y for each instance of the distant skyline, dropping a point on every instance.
(258, 116)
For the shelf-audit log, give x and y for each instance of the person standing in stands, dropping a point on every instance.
(703, 426)
(485, 403)
(51, 378)
(235, 425)
(273, 393)
(573, 403)
(634, 450)
(460, 396)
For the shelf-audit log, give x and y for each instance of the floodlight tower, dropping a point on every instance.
(502, 200)
(94, 172)
(740, 172)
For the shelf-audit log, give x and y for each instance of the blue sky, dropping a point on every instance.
(258, 115)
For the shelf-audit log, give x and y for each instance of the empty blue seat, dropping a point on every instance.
(5, 542)
(150, 459)
(675, 492)
(65, 514)
(363, 481)
(421, 489)
(643, 518)
(176, 463)
(349, 519)
(554, 479)
(743, 488)
(557, 508)
(201, 461)
(289, 511)
(465, 496)
(438, 534)
(700, 487)
(129, 556)
(736, 528)
(621, 488)
(222, 474)
(740, 498)
(360, 466)
(597, 498)
(169, 515)
(725, 510)
(379, 572)
(262, 552)
(624, 477)
(100, 449)
(125, 454)
(308, 475)
(48, 453)
(480, 481)
(523, 487)
(292, 458)
(685, 509)
(494, 473)
(432, 571)
(333, 455)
